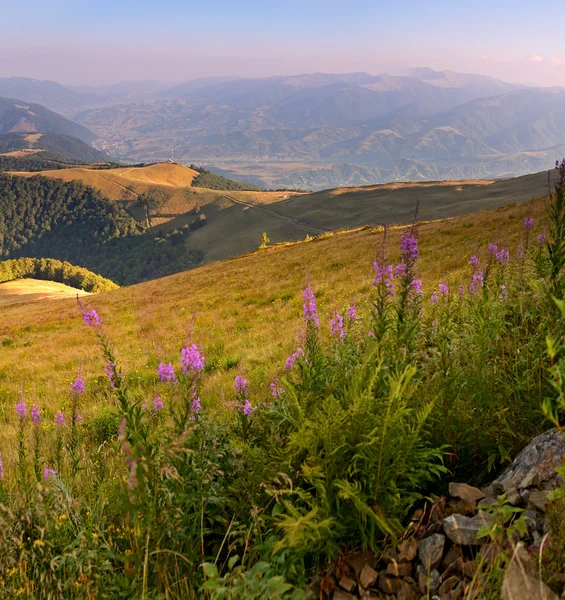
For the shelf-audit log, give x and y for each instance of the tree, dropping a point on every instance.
(265, 241)
(151, 201)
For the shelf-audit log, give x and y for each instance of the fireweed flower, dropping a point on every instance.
(47, 473)
(1, 468)
(384, 274)
(352, 313)
(492, 249)
(240, 386)
(443, 290)
(78, 386)
(21, 409)
(195, 406)
(166, 373)
(157, 404)
(276, 390)
(289, 363)
(542, 238)
(416, 286)
(247, 410)
(78, 419)
(409, 248)
(35, 414)
(476, 282)
(503, 293)
(336, 326)
(461, 291)
(503, 256)
(60, 418)
(91, 318)
(474, 261)
(309, 308)
(434, 299)
(520, 251)
(528, 223)
(191, 359)
(400, 270)
(110, 370)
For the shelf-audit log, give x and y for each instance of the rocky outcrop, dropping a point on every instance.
(444, 545)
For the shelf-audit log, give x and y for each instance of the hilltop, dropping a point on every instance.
(23, 291)
(211, 224)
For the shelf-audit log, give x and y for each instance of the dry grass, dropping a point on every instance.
(23, 291)
(248, 307)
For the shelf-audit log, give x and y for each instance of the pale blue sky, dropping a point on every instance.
(103, 41)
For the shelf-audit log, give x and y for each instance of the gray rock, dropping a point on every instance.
(463, 530)
(340, 594)
(521, 580)
(465, 492)
(534, 465)
(538, 499)
(430, 550)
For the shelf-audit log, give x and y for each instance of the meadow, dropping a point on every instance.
(231, 431)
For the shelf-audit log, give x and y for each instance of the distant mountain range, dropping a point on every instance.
(326, 130)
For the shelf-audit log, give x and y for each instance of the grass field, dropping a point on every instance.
(243, 305)
(23, 291)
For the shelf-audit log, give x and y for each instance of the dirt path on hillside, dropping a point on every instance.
(298, 222)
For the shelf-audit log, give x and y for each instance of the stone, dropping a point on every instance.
(469, 568)
(452, 555)
(465, 492)
(368, 576)
(327, 585)
(462, 530)
(430, 550)
(340, 594)
(389, 585)
(448, 585)
(358, 560)
(521, 580)
(407, 550)
(347, 584)
(538, 499)
(458, 591)
(428, 583)
(406, 592)
(402, 569)
(454, 568)
(535, 464)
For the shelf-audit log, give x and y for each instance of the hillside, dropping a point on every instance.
(20, 292)
(220, 224)
(17, 116)
(44, 151)
(241, 302)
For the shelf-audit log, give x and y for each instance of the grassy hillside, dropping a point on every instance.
(20, 292)
(236, 220)
(248, 307)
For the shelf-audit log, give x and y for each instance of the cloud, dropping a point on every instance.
(555, 61)
(534, 58)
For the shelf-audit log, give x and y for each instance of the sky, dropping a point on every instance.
(86, 42)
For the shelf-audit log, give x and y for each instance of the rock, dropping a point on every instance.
(454, 568)
(406, 592)
(428, 584)
(458, 591)
(469, 568)
(358, 560)
(389, 585)
(327, 585)
(347, 584)
(452, 555)
(465, 492)
(368, 576)
(448, 585)
(430, 550)
(340, 594)
(407, 550)
(521, 580)
(535, 464)
(403, 569)
(538, 499)
(463, 530)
